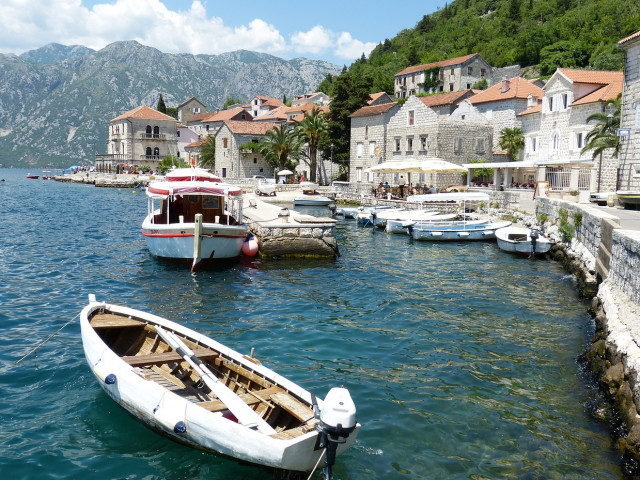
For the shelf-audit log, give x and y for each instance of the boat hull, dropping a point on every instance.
(311, 202)
(457, 232)
(176, 242)
(164, 411)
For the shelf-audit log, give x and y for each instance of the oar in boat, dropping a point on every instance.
(243, 412)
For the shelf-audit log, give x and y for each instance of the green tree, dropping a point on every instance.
(230, 101)
(604, 133)
(208, 152)
(162, 108)
(170, 162)
(280, 146)
(481, 84)
(567, 54)
(350, 93)
(311, 130)
(512, 140)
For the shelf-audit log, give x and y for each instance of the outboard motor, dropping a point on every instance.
(332, 209)
(374, 215)
(337, 421)
(534, 238)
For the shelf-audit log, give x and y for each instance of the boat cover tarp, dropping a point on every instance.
(165, 189)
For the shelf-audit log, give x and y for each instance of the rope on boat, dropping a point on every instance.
(317, 463)
(48, 338)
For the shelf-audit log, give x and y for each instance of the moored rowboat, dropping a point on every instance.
(522, 240)
(203, 394)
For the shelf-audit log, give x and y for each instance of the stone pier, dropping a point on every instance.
(283, 232)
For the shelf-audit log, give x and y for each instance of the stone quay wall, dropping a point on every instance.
(614, 355)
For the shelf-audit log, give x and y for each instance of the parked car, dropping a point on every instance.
(600, 198)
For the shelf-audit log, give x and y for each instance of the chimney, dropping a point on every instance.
(505, 85)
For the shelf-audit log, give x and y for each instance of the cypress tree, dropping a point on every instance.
(162, 108)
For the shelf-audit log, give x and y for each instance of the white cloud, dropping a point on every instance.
(29, 24)
(316, 40)
(349, 47)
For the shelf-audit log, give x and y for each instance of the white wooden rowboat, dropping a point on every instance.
(203, 394)
(521, 240)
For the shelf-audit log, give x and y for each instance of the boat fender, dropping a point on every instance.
(487, 232)
(463, 234)
(250, 246)
(180, 427)
(110, 379)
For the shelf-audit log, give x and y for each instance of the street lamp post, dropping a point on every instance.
(331, 167)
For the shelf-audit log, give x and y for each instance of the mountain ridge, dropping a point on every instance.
(57, 114)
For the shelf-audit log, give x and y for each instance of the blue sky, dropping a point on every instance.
(338, 31)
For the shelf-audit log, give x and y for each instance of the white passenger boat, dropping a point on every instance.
(312, 200)
(401, 226)
(522, 240)
(198, 392)
(459, 230)
(196, 221)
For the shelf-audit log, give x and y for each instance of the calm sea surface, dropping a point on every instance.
(461, 359)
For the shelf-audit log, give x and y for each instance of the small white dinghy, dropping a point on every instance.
(203, 394)
(522, 240)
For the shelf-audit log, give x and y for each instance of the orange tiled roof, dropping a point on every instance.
(591, 76)
(222, 115)
(198, 117)
(602, 94)
(534, 109)
(633, 36)
(518, 88)
(443, 63)
(197, 143)
(443, 98)
(374, 96)
(239, 127)
(144, 112)
(324, 109)
(373, 110)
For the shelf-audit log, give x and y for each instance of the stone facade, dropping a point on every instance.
(369, 139)
(231, 160)
(630, 118)
(142, 136)
(454, 74)
(189, 108)
(555, 131)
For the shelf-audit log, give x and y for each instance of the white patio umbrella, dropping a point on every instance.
(412, 165)
(285, 172)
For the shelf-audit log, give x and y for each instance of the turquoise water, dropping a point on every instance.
(461, 359)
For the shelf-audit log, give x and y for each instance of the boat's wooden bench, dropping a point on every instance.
(167, 357)
(248, 398)
(296, 408)
(109, 320)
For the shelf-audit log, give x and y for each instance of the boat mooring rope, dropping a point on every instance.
(317, 463)
(48, 338)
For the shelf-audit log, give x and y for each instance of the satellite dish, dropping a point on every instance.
(376, 151)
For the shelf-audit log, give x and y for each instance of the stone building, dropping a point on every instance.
(140, 137)
(186, 137)
(316, 98)
(629, 158)
(232, 161)
(189, 108)
(451, 75)
(555, 130)
(260, 105)
(503, 102)
(368, 145)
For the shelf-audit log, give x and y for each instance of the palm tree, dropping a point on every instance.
(311, 130)
(279, 145)
(512, 140)
(208, 152)
(604, 133)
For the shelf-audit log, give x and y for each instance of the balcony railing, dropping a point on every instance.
(153, 136)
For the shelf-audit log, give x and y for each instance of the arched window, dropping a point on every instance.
(148, 151)
(148, 131)
(156, 152)
(156, 132)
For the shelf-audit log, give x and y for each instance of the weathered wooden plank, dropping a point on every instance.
(109, 320)
(296, 408)
(248, 398)
(166, 357)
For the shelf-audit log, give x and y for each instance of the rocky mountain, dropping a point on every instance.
(55, 103)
